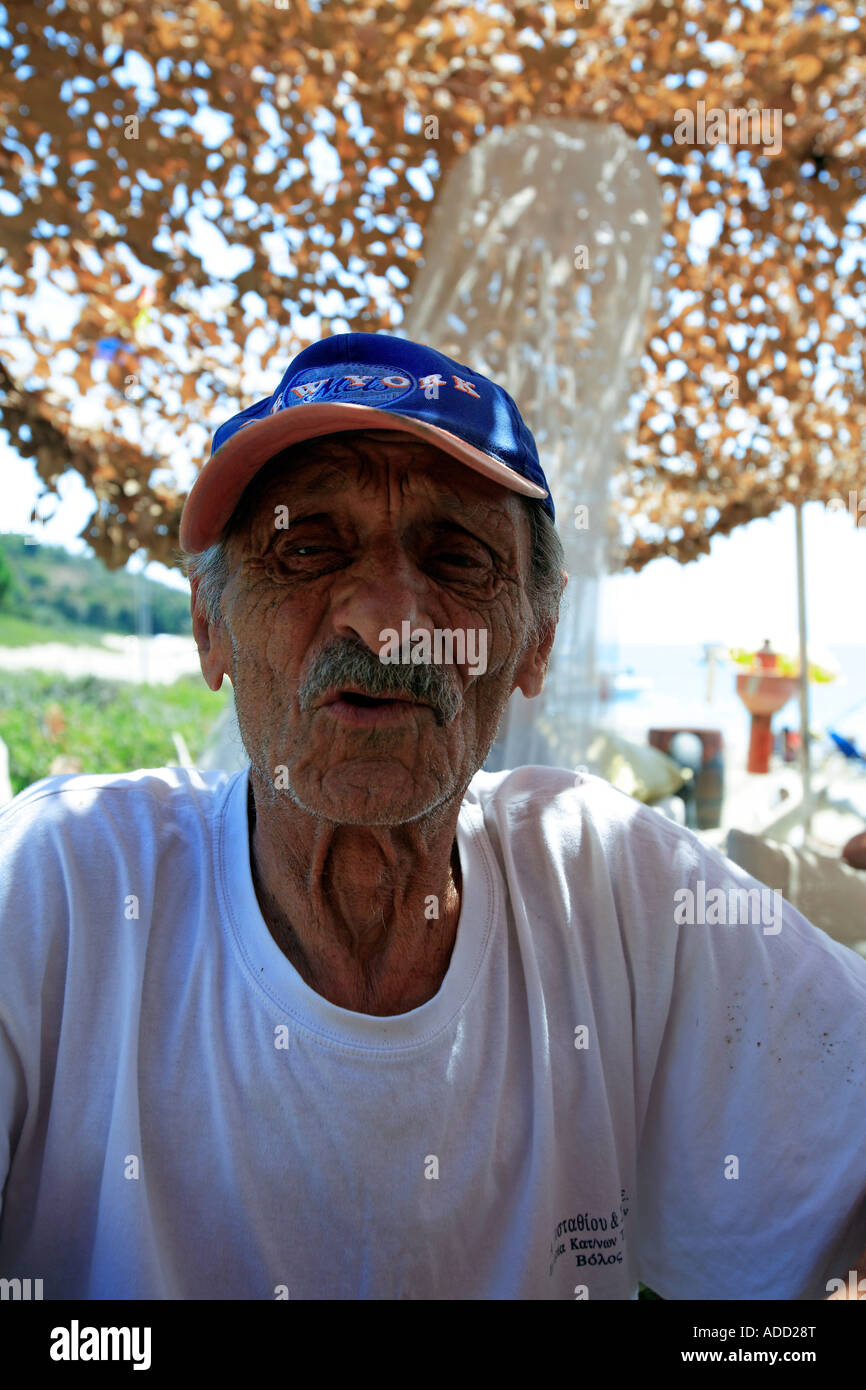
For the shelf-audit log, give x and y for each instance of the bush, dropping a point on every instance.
(111, 726)
(6, 578)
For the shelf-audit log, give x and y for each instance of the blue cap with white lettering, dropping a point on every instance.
(357, 381)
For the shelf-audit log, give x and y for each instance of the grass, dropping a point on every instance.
(20, 632)
(111, 726)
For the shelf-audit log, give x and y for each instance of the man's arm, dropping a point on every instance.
(753, 1133)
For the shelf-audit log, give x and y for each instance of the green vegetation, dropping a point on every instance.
(111, 726)
(6, 577)
(45, 585)
(21, 632)
(48, 595)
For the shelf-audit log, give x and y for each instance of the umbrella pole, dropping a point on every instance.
(805, 755)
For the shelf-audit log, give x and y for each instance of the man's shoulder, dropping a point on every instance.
(73, 845)
(577, 822)
(575, 797)
(75, 805)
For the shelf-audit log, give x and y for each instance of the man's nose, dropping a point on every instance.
(383, 589)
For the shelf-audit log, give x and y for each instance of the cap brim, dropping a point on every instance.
(221, 482)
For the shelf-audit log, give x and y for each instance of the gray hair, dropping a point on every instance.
(546, 557)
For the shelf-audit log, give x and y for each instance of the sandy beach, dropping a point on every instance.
(156, 660)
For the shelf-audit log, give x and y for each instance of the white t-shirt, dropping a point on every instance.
(600, 1092)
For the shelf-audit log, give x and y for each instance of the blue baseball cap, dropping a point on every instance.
(357, 381)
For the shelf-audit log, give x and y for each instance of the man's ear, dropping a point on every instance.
(532, 668)
(209, 638)
(530, 674)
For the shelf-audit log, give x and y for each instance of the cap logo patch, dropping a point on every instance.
(358, 382)
(373, 386)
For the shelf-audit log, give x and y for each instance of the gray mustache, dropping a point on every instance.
(345, 662)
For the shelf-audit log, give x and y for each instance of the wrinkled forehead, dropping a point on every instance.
(360, 463)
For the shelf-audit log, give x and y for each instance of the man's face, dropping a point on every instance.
(383, 530)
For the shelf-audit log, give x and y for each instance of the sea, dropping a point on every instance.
(677, 695)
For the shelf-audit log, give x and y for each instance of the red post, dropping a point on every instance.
(760, 743)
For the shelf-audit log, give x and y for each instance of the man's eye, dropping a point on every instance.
(303, 550)
(460, 557)
(304, 557)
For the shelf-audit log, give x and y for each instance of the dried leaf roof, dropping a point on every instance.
(750, 392)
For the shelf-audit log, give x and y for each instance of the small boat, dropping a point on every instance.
(622, 685)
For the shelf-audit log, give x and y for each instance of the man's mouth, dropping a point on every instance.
(357, 697)
(357, 707)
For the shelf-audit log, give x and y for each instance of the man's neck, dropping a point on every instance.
(366, 915)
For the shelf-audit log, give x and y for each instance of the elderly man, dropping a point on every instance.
(365, 1021)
